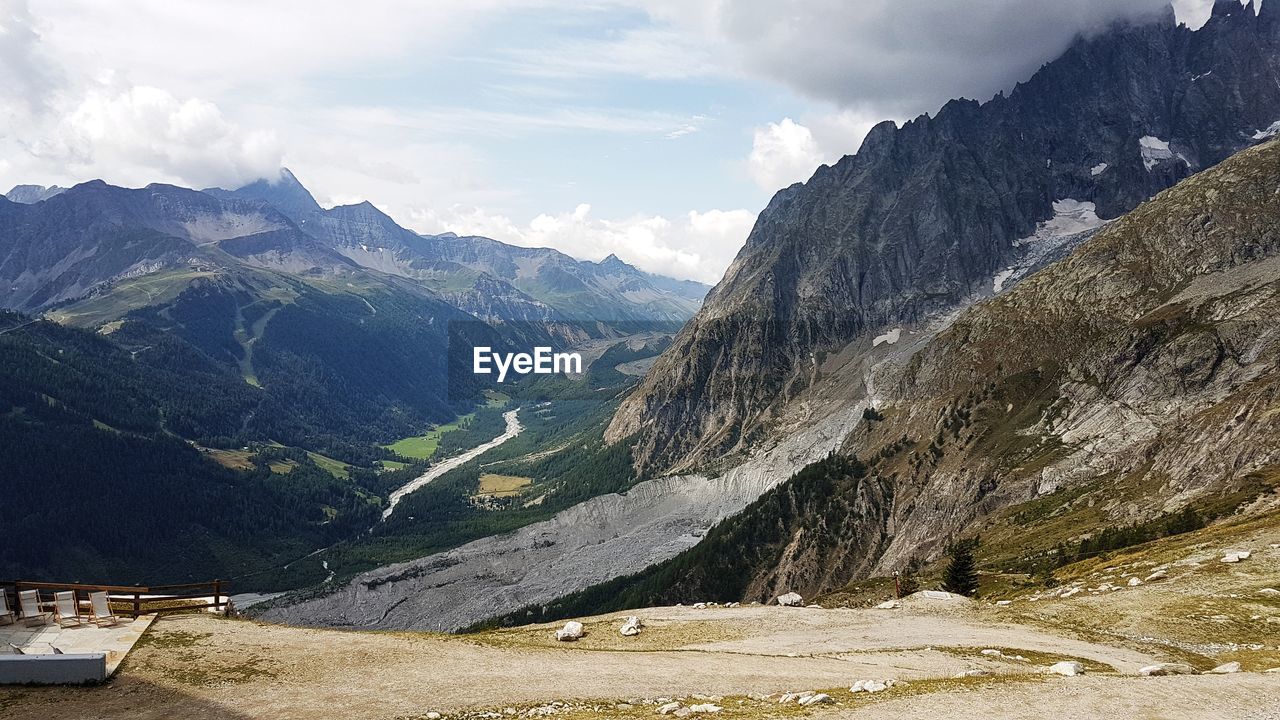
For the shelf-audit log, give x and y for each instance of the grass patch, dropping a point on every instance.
(494, 485)
(234, 459)
(172, 639)
(336, 468)
(602, 635)
(1033, 660)
(423, 447)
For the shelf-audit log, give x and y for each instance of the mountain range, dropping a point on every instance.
(1044, 323)
(260, 347)
(928, 216)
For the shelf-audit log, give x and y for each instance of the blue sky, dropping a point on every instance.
(653, 129)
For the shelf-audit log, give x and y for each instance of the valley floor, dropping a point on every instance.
(206, 667)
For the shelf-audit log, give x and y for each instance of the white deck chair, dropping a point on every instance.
(29, 601)
(65, 609)
(100, 609)
(6, 615)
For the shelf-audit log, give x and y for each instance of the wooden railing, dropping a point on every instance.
(130, 600)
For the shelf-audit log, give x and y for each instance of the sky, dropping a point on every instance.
(653, 129)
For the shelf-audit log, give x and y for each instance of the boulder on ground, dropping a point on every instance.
(1003, 603)
(571, 631)
(972, 673)
(631, 626)
(790, 599)
(871, 686)
(1269, 592)
(1066, 668)
(1231, 558)
(889, 605)
(1134, 582)
(1226, 668)
(1161, 669)
(817, 699)
(704, 708)
(669, 708)
(1157, 575)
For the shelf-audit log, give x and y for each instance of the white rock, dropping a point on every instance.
(871, 686)
(631, 626)
(1157, 575)
(1066, 668)
(1168, 669)
(433, 716)
(817, 699)
(889, 605)
(704, 708)
(995, 653)
(1003, 603)
(790, 600)
(1269, 592)
(699, 606)
(1244, 554)
(795, 697)
(1272, 670)
(1134, 582)
(1231, 558)
(1226, 668)
(571, 631)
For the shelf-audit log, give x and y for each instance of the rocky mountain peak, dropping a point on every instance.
(31, 194)
(922, 218)
(284, 192)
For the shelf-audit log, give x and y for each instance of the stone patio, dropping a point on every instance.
(115, 642)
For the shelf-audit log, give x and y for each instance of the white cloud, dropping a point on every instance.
(141, 134)
(903, 57)
(783, 153)
(697, 245)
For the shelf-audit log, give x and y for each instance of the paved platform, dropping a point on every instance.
(115, 642)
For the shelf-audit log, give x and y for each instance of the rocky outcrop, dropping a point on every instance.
(1146, 364)
(927, 214)
(589, 543)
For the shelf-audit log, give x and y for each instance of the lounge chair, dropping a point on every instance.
(65, 609)
(29, 601)
(100, 609)
(6, 615)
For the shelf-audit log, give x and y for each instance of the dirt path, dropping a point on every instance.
(198, 666)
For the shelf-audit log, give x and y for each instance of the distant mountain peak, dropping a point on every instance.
(31, 194)
(284, 191)
(615, 262)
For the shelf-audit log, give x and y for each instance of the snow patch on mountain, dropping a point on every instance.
(1270, 132)
(1073, 221)
(890, 337)
(1155, 151)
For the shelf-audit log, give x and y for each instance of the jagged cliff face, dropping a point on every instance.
(1137, 376)
(925, 215)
